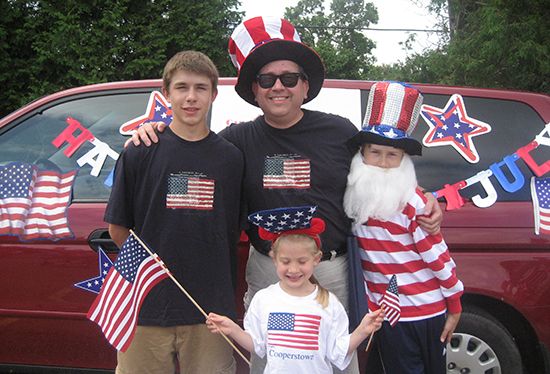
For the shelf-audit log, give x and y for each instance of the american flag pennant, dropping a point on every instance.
(33, 203)
(158, 110)
(190, 192)
(298, 331)
(284, 173)
(540, 193)
(390, 302)
(116, 308)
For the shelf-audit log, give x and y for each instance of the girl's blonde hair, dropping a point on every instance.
(311, 245)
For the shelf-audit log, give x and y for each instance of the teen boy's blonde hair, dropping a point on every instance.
(190, 61)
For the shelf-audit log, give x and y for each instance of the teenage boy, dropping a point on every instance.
(182, 197)
(383, 200)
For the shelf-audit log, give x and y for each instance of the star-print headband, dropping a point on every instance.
(278, 222)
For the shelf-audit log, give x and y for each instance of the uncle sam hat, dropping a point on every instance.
(275, 223)
(391, 117)
(261, 40)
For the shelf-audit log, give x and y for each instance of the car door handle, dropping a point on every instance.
(101, 237)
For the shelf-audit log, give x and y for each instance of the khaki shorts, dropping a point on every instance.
(159, 349)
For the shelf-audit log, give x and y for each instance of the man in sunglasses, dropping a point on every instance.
(293, 156)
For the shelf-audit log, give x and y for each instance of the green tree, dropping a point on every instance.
(496, 44)
(50, 45)
(337, 37)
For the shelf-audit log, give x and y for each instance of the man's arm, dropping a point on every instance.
(433, 216)
(146, 133)
(119, 234)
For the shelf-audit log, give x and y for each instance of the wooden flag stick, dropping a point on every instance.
(372, 334)
(189, 296)
(370, 340)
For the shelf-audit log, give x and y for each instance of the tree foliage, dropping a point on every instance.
(50, 45)
(497, 43)
(337, 36)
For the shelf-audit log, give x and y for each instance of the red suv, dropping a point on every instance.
(482, 174)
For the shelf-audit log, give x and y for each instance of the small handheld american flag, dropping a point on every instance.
(390, 302)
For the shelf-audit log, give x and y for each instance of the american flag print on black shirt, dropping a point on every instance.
(185, 192)
(283, 173)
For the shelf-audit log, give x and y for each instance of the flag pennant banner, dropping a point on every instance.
(283, 173)
(455, 200)
(390, 302)
(540, 193)
(298, 331)
(116, 308)
(33, 203)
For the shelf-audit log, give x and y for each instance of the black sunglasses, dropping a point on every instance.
(287, 79)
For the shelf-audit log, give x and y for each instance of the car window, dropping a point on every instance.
(513, 125)
(32, 140)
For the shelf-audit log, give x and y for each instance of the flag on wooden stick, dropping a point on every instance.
(390, 302)
(132, 276)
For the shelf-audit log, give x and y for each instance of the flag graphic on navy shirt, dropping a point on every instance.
(298, 331)
(185, 192)
(286, 173)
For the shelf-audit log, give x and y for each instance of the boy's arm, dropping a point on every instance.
(450, 326)
(119, 234)
(231, 329)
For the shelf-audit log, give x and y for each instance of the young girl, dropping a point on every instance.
(298, 324)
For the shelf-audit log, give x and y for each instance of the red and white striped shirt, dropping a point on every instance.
(426, 273)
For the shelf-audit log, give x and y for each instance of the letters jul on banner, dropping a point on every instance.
(95, 157)
(455, 200)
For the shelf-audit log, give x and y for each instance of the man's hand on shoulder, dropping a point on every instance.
(146, 133)
(433, 216)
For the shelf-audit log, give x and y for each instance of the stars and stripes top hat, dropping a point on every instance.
(275, 223)
(261, 40)
(391, 117)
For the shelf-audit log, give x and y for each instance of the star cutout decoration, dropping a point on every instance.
(283, 219)
(452, 126)
(94, 284)
(158, 110)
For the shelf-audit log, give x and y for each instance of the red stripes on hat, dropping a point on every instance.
(256, 31)
(394, 104)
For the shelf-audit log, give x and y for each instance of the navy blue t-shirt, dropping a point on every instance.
(183, 199)
(306, 164)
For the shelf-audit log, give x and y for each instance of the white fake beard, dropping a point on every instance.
(374, 192)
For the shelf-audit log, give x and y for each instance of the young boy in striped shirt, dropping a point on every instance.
(384, 201)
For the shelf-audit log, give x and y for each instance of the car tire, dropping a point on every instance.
(482, 345)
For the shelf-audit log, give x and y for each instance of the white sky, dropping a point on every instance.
(392, 14)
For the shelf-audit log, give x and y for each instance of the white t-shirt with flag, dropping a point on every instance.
(296, 334)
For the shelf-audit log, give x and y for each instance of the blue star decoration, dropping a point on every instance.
(158, 110)
(283, 219)
(452, 126)
(94, 284)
